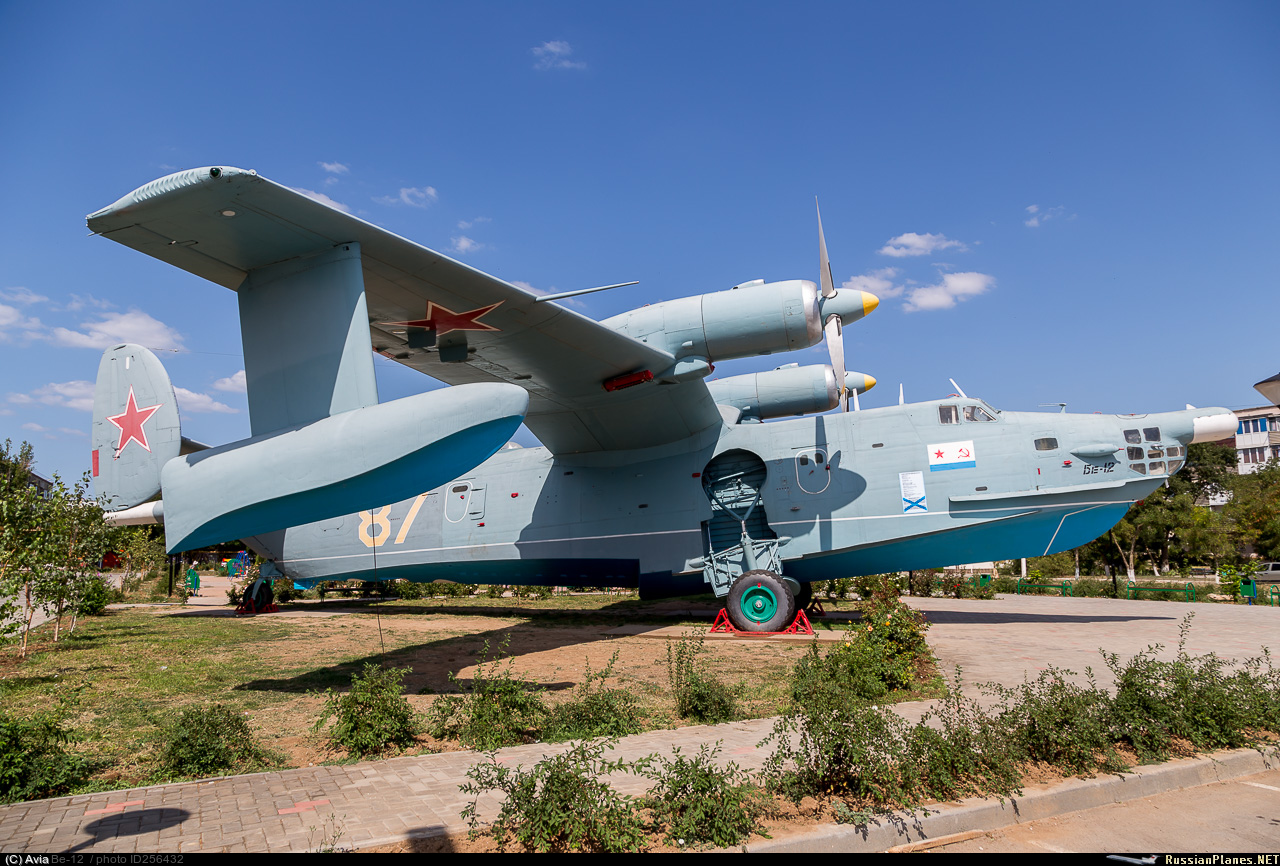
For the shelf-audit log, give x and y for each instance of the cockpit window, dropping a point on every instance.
(1133, 437)
(1152, 433)
(1140, 468)
(976, 413)
(1157, 468)
(948, 415)
(1047, 444)
(1135, 453)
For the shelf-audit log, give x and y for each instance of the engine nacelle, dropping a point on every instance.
(786, 391)
(752, 319)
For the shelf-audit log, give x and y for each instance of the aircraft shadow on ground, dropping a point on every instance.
(457, 651)
(992, 618)
(130, 823)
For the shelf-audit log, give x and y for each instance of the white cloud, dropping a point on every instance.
(79, 302)
(13, 320)
(414, 196)
(336, 168)
(35, 428)
(913, 244)
(946, 294)
(464, 244)
(555, 55)
(21, 295)
(466, 224)
(190, 401)
(71, 431)
(322, 198)
(233, 383)
(1040, 217)
(878, 282)
(134, 326)
(77, 394)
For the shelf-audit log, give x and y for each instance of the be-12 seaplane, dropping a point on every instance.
(648, 475)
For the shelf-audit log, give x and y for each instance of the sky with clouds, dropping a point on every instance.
(1055, 202)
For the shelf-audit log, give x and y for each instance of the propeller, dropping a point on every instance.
(834, 307)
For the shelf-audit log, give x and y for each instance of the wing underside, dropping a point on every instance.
(427, 311)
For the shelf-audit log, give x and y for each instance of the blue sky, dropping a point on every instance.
(1055, 202)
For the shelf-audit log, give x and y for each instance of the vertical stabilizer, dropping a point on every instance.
(135, 425)
(305, 326)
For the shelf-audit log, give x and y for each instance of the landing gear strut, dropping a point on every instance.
(759, 600)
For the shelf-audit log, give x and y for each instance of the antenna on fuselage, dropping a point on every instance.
(959, 390)
(900, 400)
(1062, 407)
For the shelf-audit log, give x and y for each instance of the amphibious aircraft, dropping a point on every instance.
(649, 474)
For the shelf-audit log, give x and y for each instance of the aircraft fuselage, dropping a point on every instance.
(896, 488)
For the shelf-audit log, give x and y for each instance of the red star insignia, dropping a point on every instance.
(938, 454)
(442, 320)
(130, 422)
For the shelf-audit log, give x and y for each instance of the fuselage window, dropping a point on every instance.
(1155, 453)
(948, 415)
(1048, 444)
(1173, 451)
(1140, 468)
(1152, 433)
(1157, 468)
(976, 413)
(1133, 437)
(1135, 453)
(1174, 466)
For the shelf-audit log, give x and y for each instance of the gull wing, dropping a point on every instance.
(426, 310)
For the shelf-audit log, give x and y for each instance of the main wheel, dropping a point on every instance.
(760, 601)
(805, 597)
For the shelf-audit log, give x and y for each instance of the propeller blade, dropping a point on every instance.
(856, 407)
(835, 345)
(824, 263)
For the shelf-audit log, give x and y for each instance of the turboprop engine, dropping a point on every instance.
(755, 318)
(789, 390)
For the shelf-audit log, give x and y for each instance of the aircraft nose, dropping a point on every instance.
(1211, 428)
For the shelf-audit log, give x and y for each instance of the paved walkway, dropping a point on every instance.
(382, 802)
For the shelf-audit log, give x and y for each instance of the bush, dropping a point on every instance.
(33, 762)
(1191, 698)
(209, 741)
(408, 589)
(96, 596)
(594, 711)
(1058, 722)
(699, 694)
(695, 802)
(560, 804)
(374, 715)
(498, 709)
(494, 590)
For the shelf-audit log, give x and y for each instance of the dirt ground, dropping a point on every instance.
(552, 652)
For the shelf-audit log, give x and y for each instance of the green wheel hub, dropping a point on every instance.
(758, 603)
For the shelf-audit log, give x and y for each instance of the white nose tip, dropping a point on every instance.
(1211, 428)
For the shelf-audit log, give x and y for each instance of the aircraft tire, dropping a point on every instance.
(760, 601)
(805, 598)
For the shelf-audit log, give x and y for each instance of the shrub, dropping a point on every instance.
(210, 740)
(96, 596)
(494, 590)
(374, 715)
(699, 694)
(408, 589)
(695, 802)
(1053, 720)
(497, 709)
(1191, 698)
(33, 762)
(559, 804)
(594, 711)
